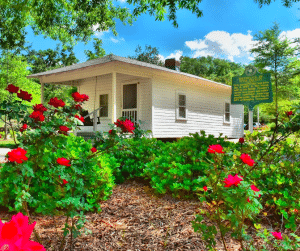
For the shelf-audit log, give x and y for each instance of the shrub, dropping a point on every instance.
(89, 181)
(179, 167)
(52, 172)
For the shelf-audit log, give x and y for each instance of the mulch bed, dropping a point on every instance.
(132, 219)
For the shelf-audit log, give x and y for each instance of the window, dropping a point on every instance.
(181, 106)
(227, 112)
(130, 96)
(104, 105)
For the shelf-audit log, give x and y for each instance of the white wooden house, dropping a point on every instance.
(170, 103)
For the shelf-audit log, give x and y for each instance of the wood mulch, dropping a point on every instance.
(132, 219)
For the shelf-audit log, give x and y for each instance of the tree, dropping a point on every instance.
(219, 70)
(45, 60)
(71, 21)
(150, 55)
(286, 3)
(276, 54)
(13, 70)
(99, 51)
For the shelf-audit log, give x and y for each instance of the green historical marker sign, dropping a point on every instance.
(251, 88)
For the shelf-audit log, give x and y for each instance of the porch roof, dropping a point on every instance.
(111, 58)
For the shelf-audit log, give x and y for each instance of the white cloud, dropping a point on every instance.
(175, 55)
(223, 44)
(99, 34)
(161, 58)
(115, 40)
(290, 35)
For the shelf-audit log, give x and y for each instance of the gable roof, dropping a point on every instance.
(112, 57)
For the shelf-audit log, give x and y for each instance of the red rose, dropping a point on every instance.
(290, 113)
(215, 148)
(14, 235)
(17, 155)
(126, 126)
(241, 140)
(277, 235)
(295, 211)
(56, 102)
(232, 180)
(205, 188)
(63, 162)
(24, 95)
(254, 188)
(248, 200)
(23, 128)
(64, 128)
(40, 108)
(80, 97)
(12, 89)
(76, 96)
(110, 131)
(65, 182)
(84, 97)
(247, 159)
(37, 116)
(94, 149)
(80, 118)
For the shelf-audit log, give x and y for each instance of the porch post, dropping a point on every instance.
(114, 97)
(42, 93)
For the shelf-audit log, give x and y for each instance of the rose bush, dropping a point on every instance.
(53, 172)
(178, 167)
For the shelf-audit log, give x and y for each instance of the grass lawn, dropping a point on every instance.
(7, 143)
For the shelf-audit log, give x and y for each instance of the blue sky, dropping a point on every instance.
(226, 31)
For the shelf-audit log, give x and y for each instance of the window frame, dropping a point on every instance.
(178, 93)
(224, 116)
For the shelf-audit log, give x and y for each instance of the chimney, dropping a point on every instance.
(172, 64)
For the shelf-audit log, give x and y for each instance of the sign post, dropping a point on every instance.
(250, 89)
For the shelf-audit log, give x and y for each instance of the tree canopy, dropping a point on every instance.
(278, 57)
(45, 60)
(98, 52)
(149, 55)
(13, 70)
(71, 21)
(286, 3)
(219, 70)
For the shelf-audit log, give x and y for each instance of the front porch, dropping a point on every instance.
(114, 95)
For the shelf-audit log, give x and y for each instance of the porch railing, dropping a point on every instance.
(130, 114)
(94, 118)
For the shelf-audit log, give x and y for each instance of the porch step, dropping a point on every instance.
(86, 135)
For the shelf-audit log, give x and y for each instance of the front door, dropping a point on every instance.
(130, 102)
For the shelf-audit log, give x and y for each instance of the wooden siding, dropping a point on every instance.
(205, 110)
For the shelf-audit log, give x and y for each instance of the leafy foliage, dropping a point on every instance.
(13, 70)
(278, 55)
(178, 167)
(99, 51)
(71, 21)
(150, 55)
(219, 70)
